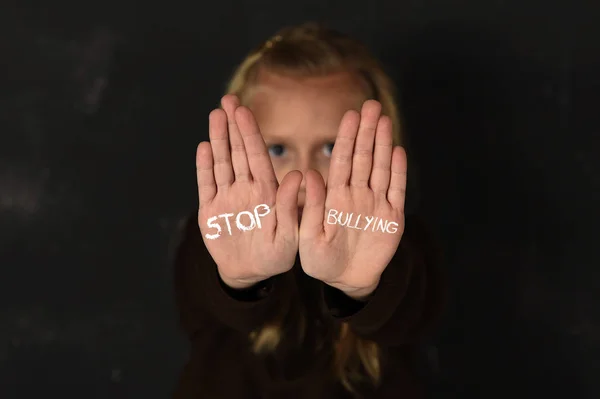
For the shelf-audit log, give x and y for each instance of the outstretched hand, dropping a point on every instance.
(352, 226)
(249, 223)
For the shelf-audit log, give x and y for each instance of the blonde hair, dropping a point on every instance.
(310, 50)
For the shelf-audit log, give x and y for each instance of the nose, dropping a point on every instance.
(305, 162)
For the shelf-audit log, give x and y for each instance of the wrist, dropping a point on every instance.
(247, 293)
(239, 284)
(361, 294)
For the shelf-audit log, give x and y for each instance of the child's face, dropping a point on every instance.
(299, 119)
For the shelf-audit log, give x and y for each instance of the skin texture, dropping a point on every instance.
(302, 117)
(277, 150)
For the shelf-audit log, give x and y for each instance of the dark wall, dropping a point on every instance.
(102, 105)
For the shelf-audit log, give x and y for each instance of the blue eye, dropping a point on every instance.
(276, 150)
(327, 149)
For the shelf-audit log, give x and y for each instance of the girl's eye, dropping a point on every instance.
(276, 150)
(327, 149)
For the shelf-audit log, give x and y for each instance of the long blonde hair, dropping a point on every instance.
(309, 50)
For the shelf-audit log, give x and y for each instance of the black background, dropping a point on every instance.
(101, 107)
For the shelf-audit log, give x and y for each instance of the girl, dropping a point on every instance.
(299, 276)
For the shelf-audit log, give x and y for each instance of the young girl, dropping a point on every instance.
(300, 276)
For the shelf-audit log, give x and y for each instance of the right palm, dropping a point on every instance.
(235, 175)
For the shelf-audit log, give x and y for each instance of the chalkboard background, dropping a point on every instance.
(102, 104)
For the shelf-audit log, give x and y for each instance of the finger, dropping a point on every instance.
(259, 161)
(362, 158)
(340, 166)
(313, 214)
(219, 141)
(397, 191)
(207, 188)
(239, 160)
(382, 157)
(287, 205)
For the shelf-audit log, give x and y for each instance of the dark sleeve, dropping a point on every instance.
(202, 297)
(409, 299)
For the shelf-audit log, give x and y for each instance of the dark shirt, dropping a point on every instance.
(218, 321)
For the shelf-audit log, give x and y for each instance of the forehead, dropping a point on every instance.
(287, 105)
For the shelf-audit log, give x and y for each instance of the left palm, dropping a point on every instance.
(351, 229)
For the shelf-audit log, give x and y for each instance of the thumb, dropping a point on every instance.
(287, 204)
(314, 207)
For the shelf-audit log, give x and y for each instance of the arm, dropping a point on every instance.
(203, 298)
(408, 300)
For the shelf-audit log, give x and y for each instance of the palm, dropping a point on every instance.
(233, 243)
(354, 225)
(362, 254)
(248, 236)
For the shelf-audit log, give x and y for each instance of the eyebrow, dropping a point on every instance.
(276, 136)
(285, 138)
